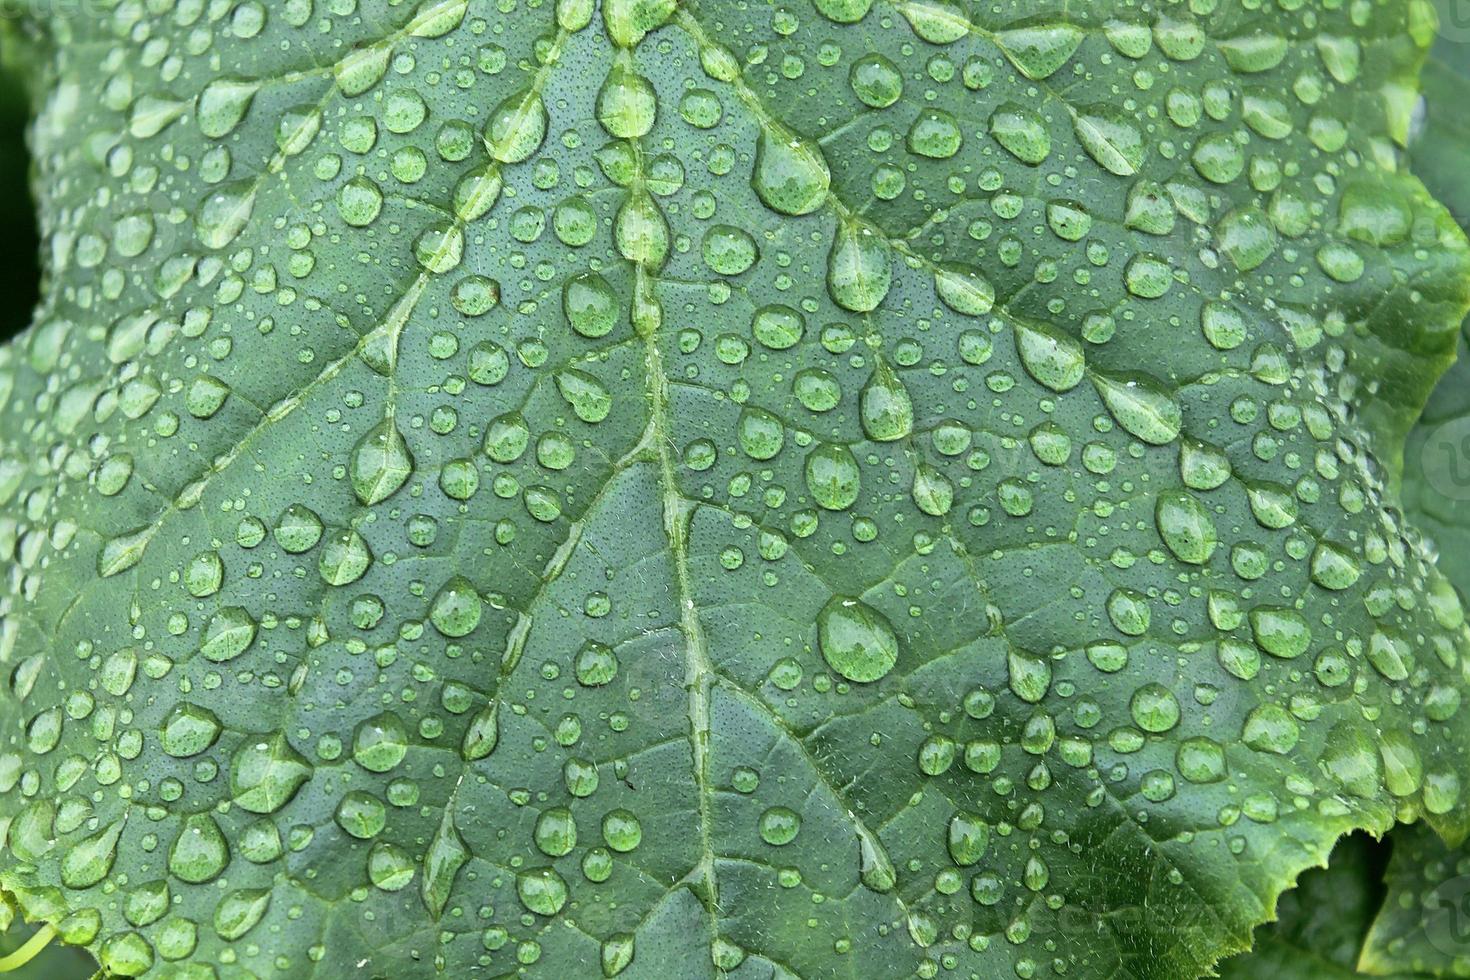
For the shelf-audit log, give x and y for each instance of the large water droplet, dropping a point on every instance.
(859, 267)
(443, 858)
(224, 213)
(1053, 358)
(1039, 50)
(223, 103)
(1110, 137)
(517, 127)
(626, 105)
(200, 852)
(1142, 406)
(791, 175)
(1021, 131)
(1185, 525)
(886, 410)
(90, 860)
(856, 640)
(833, 477)
(266, 772)
(381, 463)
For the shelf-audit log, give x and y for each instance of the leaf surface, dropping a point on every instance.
(849, 490)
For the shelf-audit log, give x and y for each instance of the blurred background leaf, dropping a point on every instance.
(55, 962)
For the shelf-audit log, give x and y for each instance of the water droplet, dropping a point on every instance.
(1149, 209)
(90, 860)
(761, 434)
(859, 268)
(964, 289)
(361, 815)
(1403, 772)
(359, 202)
(1349, 758)
(1270, 728)
(199, 853)
(1050, 356)
(1200, 760)
(229, 634)
(621, 830)
(188, 730)
(886, 410)
(517, 127)
(443, 858)
(1247, 237)
(779, 826)
(379, 743)
(1154, 708)
(641, 231)
(936, 21)
(556, 832)
(1039, 50)
(483, 733)
(778, 327)
(590, 401)
(1142, 406)
(1389, 655)
(1218, 158)
(728, 250)
(968, 838)
(1202, 466)
(1255, 52)
(223, 103)
(1185, 525)
(1272, 505)
(1021, 131)
(266, 772)
(456, 609)
(1280, 632)
(626, 105)
(381, 463)
(224, 213)
(933, 492)
(934, 134)
(832, 477)
(876, 869)
(596, 664)
(1030, 676)
(542, 891)
(618, 949)
(362, 69)
(1334, 567)
(875, 80)
(791, 175)
(856, 640)
(1111, 138)
(345, 557)
(239, 911)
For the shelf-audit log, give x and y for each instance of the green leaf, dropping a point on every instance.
(1323, 926)
(611, 489)
(1437, 457)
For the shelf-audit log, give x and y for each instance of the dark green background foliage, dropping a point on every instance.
(849, 488)
(19, 275)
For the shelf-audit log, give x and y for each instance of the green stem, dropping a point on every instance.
(29, 949)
